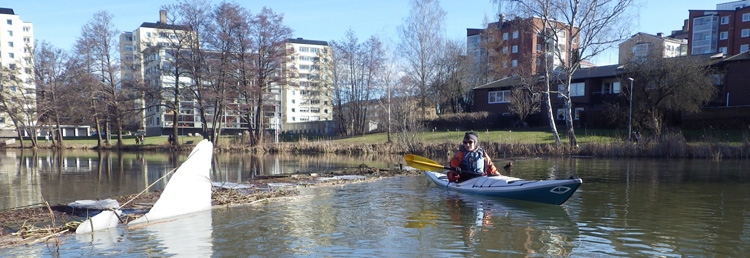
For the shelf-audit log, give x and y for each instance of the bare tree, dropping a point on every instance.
(356, 73)
(421, 34)
(178, 42)
(451, 77)
(229, 63)
(573, 31)
(100, 32)
(664, 86)
(524, 102)
(50, 76)
(18, 101)
(269, 36)
(389, 83)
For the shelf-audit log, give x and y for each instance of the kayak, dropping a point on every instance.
(546, 191)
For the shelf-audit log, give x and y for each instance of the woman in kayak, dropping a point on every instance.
(470, 161)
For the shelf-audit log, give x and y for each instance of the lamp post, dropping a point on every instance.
(630, 113)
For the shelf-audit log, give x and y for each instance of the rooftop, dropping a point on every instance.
(308, 41)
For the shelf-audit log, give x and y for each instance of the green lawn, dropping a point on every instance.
(583, 136)
(504, 136)
(521, 137)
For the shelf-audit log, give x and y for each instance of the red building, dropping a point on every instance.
(514, 48)
(719, 31)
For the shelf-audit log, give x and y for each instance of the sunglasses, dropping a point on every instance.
(468, 142)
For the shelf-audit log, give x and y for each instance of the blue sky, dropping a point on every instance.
(60, 21)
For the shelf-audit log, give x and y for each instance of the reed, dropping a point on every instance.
(672, 145)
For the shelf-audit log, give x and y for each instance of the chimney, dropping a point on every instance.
(163, 16)
(660, 34)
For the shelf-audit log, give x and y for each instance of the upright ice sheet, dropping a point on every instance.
(189, 189)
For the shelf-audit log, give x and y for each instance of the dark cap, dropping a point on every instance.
(470, 136)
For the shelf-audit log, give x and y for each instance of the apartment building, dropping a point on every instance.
(306, 101)
(513, 47)
(16, 59)
(146, 55)
(724, 30)
(641, 45)
(141, 52)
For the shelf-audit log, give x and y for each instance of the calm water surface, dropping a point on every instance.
(626, 207)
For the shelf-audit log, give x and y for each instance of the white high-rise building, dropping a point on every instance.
(149, 38)
(306, 99)
(16, 58)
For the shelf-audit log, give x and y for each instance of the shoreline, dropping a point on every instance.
(669, 146)
(27, 226)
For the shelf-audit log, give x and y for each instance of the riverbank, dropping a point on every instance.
(39, 224)
(604, 144)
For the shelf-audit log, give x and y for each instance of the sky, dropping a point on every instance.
(59, 21)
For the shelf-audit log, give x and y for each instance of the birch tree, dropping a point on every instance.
(421, 34)
(102, 35)
(573, 31)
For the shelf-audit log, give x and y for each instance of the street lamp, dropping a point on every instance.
(630, 115)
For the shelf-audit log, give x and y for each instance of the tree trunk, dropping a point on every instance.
(569, 123)
(551, 115)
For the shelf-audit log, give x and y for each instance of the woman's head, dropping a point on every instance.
(470, 141)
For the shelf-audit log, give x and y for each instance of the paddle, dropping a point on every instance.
(423, 163)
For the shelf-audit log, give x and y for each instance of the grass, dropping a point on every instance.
(515, 137)
(693, 137)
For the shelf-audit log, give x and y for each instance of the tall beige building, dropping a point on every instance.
(641, 45)
(306, 98)
(141, 53)
(16, 42)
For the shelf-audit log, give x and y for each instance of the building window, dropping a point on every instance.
(515, 49)
(576, 89)
(538, 47)
(610, 88)
(578, 113)
(26, 29)
(745, 17)
(745, 33)
(505, 36)
(723, 35)
(10, 43)
(502, 96)
(10, 33)
(723, 50)
(743, 48)
(292, 110)
(505, 50)
(515, 34)
(561, 114)
(640, 50)
(514, 63)
(26, 40)
(10, 22)
(11, 55)
(725, 20)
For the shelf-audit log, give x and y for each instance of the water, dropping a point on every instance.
(626, 207)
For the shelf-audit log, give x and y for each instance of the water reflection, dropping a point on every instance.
(27, 178)
(626, 207)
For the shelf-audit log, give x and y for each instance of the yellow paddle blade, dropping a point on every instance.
(422, 163)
